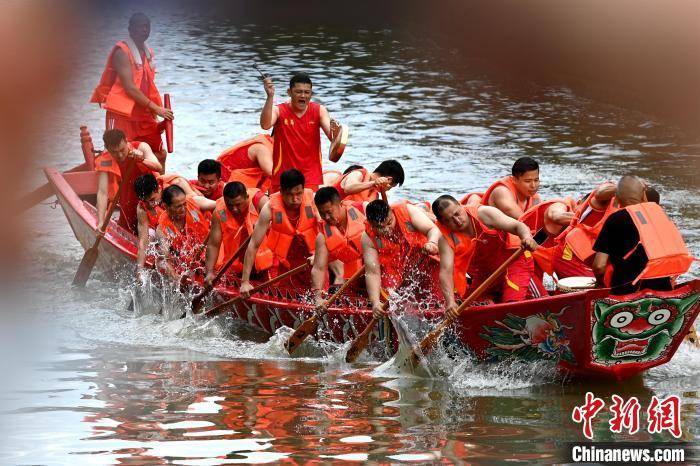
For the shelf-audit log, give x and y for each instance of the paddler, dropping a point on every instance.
(573, 253)
(638, 246)
(208, 181)
(127, 89)
(149, 189)
(232, 222)
(474, 242)
(359, 184)
(395, 239)
(515, 194)
(297, 125)
(181, 232)
(249, 161)
(340, 238)
(289, 223)
(111, 165)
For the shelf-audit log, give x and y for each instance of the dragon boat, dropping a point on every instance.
(588, 333)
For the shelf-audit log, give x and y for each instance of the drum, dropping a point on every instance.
(338, 144)
(572, 284)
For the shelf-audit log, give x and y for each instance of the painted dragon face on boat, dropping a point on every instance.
(638, 331)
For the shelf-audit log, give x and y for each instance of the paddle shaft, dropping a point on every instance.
(90, 257)
(358, 345)
(221, 307)
(263, 76)
(431, 339)
(197, 300)
(309, 325)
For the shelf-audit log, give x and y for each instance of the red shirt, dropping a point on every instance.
(298, 145)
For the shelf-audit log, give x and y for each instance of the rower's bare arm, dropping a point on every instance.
(494, 218)
(213, 245)
(256, 239)
(503, 200)
(318, 272)
(600, 263)
(149, 158)
(262, 201)
(123, 69)
(372, 271)
(603, 194)
(142, 219)
(447, 284)
(325, 121)
(558, 214)
(353, 183)
(424, 225)
(164, 257)
(102, 197)
(261, 155)
(205, 204)
(185, 185)
(269, 113)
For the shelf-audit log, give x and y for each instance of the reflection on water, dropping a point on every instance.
(137, 390)
(150, 406)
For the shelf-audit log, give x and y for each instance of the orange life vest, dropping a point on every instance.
(153, 214)
(346, 246)
(185, 243)
(251, 177)
(216, 193)
(510, 184)
(395, 254)
(282, 232)
(168, 179)
(535, 219)
(465, 246)
(110, 92)
(467, 197)
(367, 195)
(580, 236)
(231, 238)
(662, 242)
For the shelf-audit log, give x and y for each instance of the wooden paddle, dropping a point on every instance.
(90, 256)
(360, 343)
(309, 325)
(198, 300)
(231, 302)
(430, 341)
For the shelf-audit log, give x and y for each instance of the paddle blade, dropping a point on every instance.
(304, 330)
(429, 342)
(198, 301)
(85, 268)
(360, 343)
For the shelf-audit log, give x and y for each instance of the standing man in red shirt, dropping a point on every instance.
(297, 133)
(127, 88)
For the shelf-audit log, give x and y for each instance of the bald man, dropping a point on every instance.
(618, 244)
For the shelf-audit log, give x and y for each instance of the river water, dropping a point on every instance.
(93, 384)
